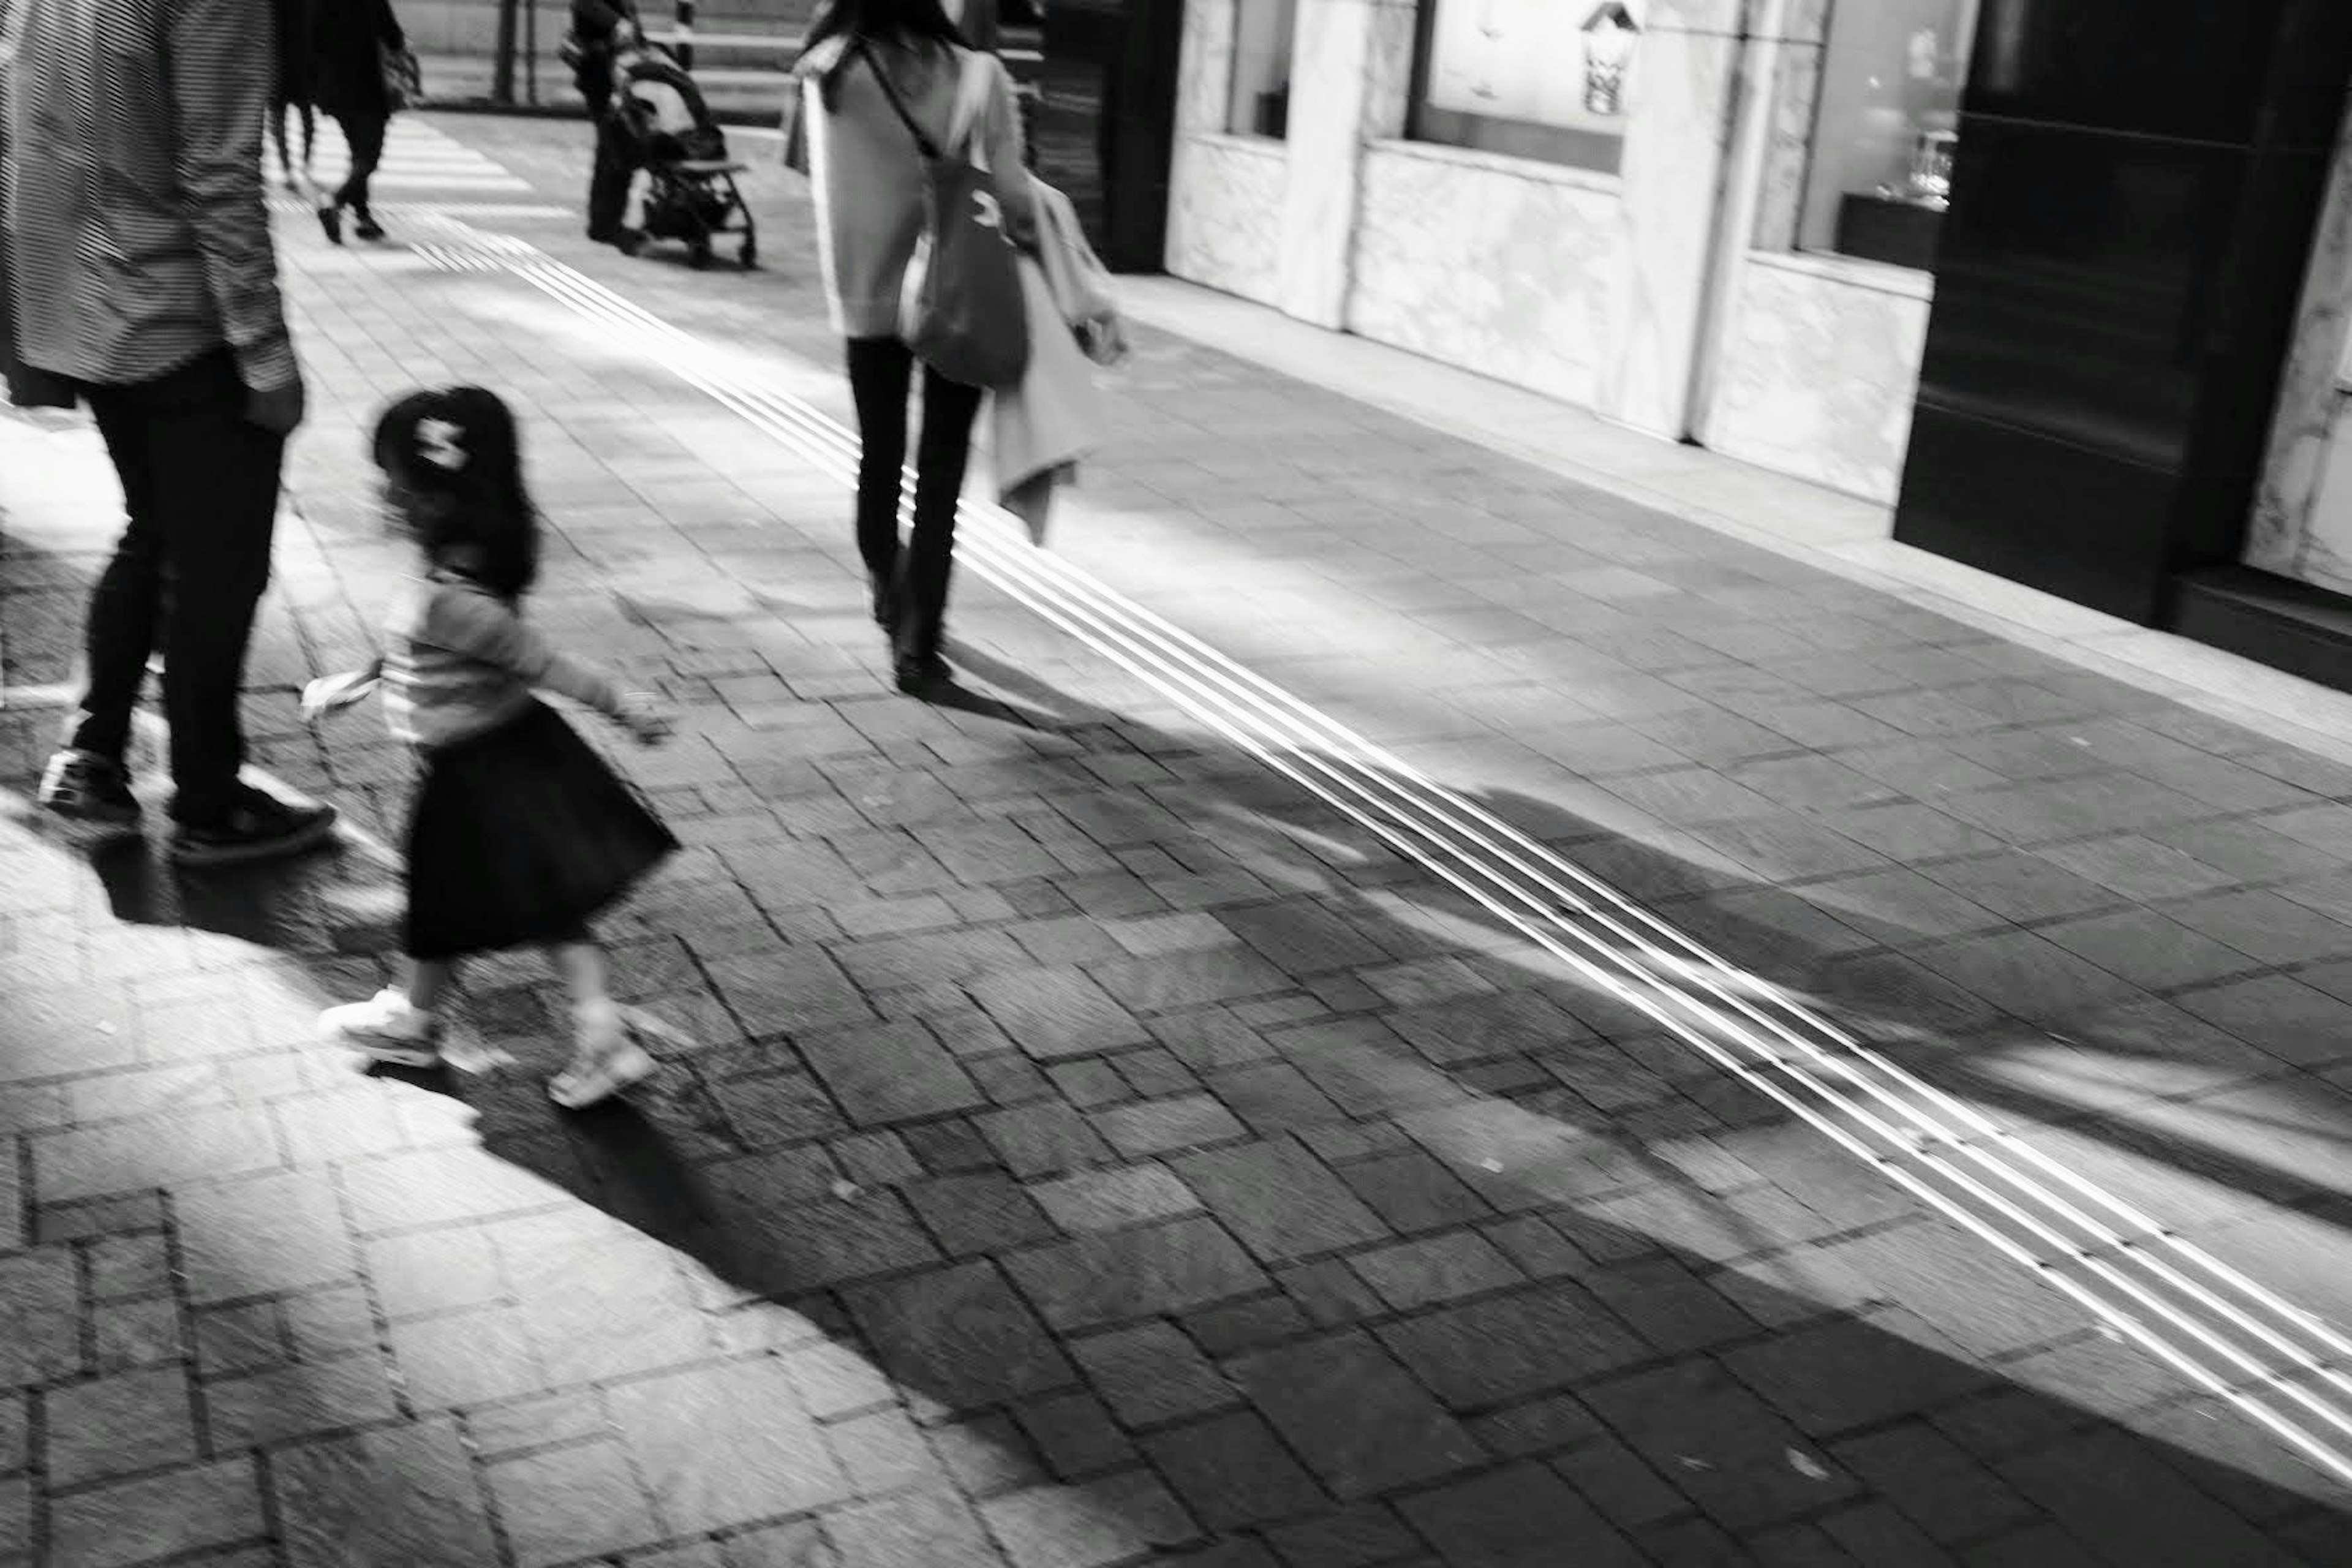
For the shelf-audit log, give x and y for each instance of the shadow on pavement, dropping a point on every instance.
(1378, 1241)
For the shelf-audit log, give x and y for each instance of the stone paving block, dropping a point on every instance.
(884, 1451)
(895, 1072)
(1412, 1192)
(1151, 1374)
(924, 1530)
(40, 1337)
(1162, 1126)
(1074, 1434)
(1041, 1140)
(271, 1234)
(597, 1303)
(1519, 1517)
(214, 1505)
(1353, 1414)
(1279, 1200)
(1301, 939)
(473, 1358)
(300, 1401)
(1533, 1341)
(1355, 1536)
(407, 1495)
(959, 1336)
(1106, 1200)
(1441, 1269)
(1057, 1013)
(438, 1186)
(981, 1213)
(198, 1146)
(1273, 1098)
(810, 1244)
(568, 1503)
(751, 1412)
(1098, 1525)
(128, 1334)
(788, 991)
(1232, 1472)
(1116, 1276)
(119, 1423)
(1185, 979)
(775, 1110)
(434, 1271)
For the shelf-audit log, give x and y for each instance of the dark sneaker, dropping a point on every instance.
(86, 787)
(366, 228)
(923, 674)
(330, 218)
(258, 827)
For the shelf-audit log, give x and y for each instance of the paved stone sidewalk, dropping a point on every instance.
(1080, 1153)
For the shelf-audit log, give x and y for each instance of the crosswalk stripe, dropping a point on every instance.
(417, 157)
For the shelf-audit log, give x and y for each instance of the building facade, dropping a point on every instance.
(2065, 284)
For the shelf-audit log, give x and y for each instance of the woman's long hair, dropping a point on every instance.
(461, 447)
(917, 26)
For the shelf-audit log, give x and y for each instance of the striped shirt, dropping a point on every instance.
(130, 187)
(460, 662)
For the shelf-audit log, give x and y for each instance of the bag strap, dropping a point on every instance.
(923, 143)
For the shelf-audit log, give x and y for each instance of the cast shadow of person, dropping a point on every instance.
(1551, 1254)
(1499, 1256)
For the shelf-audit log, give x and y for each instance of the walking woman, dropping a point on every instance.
(349, 41)
(872, 66)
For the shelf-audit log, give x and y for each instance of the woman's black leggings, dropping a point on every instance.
(881, 374)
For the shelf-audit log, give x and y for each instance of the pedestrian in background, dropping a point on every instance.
(876, 65)
(519, 835)
(354, 46)
(600, 30)
(178, 344)
(295, 94)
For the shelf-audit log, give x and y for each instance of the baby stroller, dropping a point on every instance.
(691, 193)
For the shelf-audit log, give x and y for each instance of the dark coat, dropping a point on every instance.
(347, 39)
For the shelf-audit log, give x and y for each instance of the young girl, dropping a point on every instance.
(520, 834)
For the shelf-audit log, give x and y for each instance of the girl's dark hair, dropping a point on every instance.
(909, 24)
(460, 447)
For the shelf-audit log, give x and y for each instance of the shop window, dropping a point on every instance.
(1889, 119)
(1263, 30)
(1549, 79)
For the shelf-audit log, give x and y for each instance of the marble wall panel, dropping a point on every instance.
(2302, 524)
(1508, 269)
(1205, 78)
(1225, 213)
(1820, 370)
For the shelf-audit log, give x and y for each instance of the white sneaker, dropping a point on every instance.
(605, 1059)
(386, 1028)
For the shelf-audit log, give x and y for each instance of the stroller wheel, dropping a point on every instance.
(750, 255)
(697, 255)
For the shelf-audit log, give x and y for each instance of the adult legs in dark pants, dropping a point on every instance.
(364, 135)
(200, 483)
(609, 177)
(910, 581)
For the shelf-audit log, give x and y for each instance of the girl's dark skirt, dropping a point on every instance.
(520, 838)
